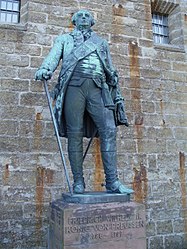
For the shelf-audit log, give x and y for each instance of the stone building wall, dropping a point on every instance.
(151, 152)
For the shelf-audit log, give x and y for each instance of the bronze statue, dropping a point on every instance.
(88, 98)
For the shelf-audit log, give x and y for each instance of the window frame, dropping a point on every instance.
(174, 13)
(10, 11)
(160, 28)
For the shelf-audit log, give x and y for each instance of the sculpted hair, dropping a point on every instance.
(74, 17)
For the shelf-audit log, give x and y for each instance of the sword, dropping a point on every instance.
(57, 136)
(88, 146)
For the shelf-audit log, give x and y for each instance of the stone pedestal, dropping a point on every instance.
(113, 225)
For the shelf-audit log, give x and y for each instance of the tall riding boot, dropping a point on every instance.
(75, 153)
(108, 153)
(109, 158)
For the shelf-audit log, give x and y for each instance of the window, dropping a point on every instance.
(160, 28)
(9, 11)
(167, 23)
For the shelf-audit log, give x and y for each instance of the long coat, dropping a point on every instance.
(61, 50)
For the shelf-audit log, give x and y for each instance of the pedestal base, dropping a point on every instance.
(95, 197)
(113, 225)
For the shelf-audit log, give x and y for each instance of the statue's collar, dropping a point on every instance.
(77, 32)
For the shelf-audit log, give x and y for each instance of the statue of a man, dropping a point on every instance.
(87, 97)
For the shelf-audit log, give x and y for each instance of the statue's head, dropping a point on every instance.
(83, 18)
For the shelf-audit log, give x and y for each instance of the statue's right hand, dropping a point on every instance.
(43, 74)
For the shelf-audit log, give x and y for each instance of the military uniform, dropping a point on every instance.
(86, 81)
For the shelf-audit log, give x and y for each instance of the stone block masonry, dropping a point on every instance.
(151, 152)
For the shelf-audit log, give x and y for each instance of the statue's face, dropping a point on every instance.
(83, 18)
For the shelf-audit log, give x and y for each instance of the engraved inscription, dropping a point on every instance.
(104, 227)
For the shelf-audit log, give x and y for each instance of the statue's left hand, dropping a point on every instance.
(43, 74)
